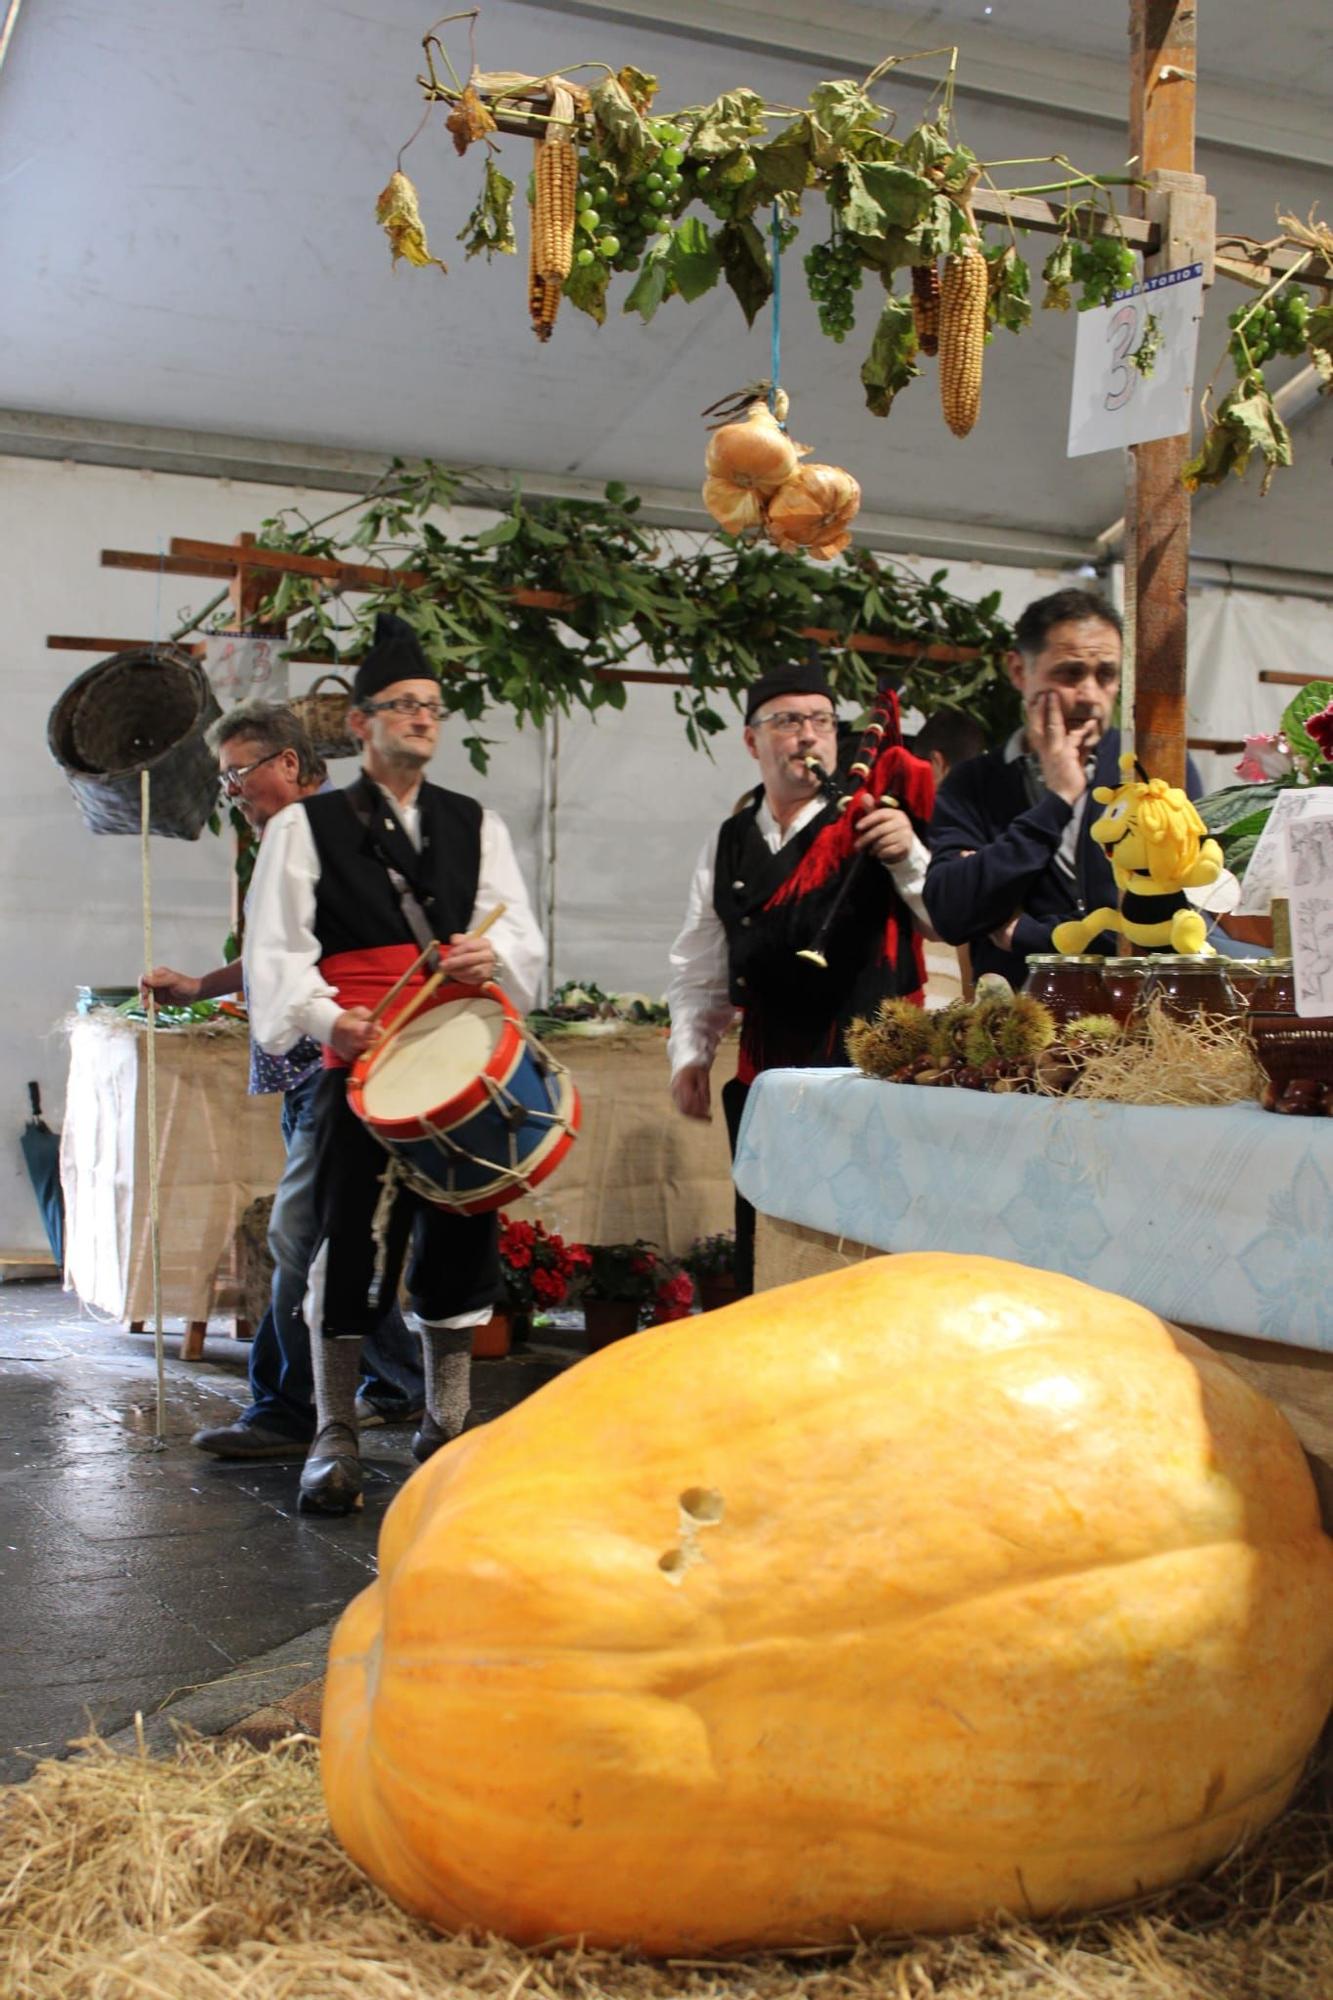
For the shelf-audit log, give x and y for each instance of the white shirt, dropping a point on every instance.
(701, 1010)
(288, 995)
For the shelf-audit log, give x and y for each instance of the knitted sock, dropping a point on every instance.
(336, 1365)
(446, 1353)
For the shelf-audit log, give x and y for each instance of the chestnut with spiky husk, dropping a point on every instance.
(981, 1042)
(1091, 1033)
(1027, 1029)
(899, 1033)
(949, 1029)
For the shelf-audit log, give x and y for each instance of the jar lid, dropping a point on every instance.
(1066, 958)
(1131, 964)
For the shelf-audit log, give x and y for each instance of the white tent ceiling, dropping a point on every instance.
(187, 244)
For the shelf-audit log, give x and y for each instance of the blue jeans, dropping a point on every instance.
(282, 1388)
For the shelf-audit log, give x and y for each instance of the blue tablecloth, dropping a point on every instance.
(1220, 1217)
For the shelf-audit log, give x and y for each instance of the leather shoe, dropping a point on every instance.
(331, 1476)
(371, 1416)
(242, 1440)
(427, 1441)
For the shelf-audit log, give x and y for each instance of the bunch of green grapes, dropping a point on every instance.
(1103, 265)
(614, 219)
(1277, 327)
(719, 183)
(833, 274)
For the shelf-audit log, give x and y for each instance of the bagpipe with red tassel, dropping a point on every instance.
(883, 772)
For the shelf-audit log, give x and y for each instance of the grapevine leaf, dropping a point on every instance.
(1246, 422)
(729, 122)
(490, 227)
(694, 260)
(843, 113)
(929, 146)
(1007, 301)
(638, 86)
(621, 127)
(902, 197)
(585, 287)
(784, 165)
(654, 283)
(891, 362)
(1058, 273)
(746, 265)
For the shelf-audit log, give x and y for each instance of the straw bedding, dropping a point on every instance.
(213, 1875)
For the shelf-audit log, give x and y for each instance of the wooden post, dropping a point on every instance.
(1157, 513)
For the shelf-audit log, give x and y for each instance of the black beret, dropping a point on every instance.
(805, 676)
(395, 655)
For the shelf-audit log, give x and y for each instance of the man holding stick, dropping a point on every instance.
(345, 886)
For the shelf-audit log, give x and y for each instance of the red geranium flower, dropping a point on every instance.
(1321, 728)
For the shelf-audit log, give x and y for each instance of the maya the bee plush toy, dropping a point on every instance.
(1157, 847)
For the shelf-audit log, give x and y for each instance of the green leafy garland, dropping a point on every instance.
(720, 613)
(893, 205)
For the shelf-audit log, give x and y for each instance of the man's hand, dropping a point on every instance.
(1003, 939)
(470, 960)
(690, 1091)
(168, 988)
(886, 833)
(1060, 750)
(353, 1033)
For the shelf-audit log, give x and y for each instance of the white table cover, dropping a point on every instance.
(1222, 1217)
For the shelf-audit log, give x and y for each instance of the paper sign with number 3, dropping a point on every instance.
(1134, 365)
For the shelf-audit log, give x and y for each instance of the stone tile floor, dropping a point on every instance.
(130, 1571)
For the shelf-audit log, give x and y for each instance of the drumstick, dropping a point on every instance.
(418, 1000)
(401, 982)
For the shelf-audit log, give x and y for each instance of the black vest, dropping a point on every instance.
(795, 1011)
(356, 907)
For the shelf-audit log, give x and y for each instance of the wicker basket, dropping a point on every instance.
(139, 711)
(1292, 1050)
(254, 1259)
(324, 718)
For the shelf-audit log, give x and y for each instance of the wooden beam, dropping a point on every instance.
(1161, 137)
(1273, 678)
(165, 565)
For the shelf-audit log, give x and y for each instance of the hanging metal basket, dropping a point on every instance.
(142, 710)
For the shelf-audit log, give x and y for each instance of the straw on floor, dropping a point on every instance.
(213, 1875)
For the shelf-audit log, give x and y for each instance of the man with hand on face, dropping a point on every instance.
(345, 884)
(266, 762)
(741, 937)
(1010, 849)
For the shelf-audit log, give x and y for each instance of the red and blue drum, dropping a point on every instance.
(473, 1107)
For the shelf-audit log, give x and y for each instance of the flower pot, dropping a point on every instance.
(609, 1319)
(718, 1289)
(492, 1340)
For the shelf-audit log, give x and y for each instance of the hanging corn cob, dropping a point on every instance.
(554, 181)
(962, 335)
(926, 307)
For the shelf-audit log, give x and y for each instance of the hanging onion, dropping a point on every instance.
(812, 510)
(735, 508)
(756, 452)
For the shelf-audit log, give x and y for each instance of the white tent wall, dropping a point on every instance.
(1234, 635)
(633, 802)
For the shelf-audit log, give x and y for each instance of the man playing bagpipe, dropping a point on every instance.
(804, 909)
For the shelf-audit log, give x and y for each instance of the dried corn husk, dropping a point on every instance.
(399, 216)
(926, 307)
(555, 183)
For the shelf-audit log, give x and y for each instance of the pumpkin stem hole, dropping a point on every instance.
(702, 1504)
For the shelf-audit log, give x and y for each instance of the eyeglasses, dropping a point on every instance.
(232, 780)
(787, 721)
(404, 704)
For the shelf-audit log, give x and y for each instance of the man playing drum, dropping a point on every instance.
(342, 887)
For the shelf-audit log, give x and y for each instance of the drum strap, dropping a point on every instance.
(413, 915)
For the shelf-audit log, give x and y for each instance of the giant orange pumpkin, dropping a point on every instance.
(895, 1598)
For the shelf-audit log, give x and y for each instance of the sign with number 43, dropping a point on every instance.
(1134, 364)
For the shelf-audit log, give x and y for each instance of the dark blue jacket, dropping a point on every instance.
(983, 806)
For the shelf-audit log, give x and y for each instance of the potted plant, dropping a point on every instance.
(538, 1270)
(620, 1281)
(711, 1262)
